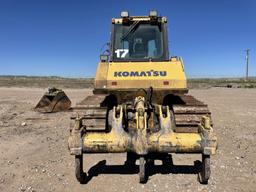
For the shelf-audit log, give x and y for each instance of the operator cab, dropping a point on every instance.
(141, 38)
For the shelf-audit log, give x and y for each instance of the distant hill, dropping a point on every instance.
(222, 82)
(44, 82)
(62, 82)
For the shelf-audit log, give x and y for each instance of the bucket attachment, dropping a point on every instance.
(53, 101)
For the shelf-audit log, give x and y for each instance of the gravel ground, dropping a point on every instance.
(34, 154)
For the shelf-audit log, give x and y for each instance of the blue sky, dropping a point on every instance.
(64, 38)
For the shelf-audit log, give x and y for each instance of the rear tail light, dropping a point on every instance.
(114, 83)
(166, 82)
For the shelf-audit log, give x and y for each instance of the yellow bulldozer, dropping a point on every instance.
(140, 104)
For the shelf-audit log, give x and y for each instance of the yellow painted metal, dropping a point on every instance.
(115, 141)
(105, 142)
(173, 69)
(206, 122)
(168, 142)
(176, 142)
(165, 122)
(101, 75)
(139, 140)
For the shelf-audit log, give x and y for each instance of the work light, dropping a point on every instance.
(124, 14)
(153, 13)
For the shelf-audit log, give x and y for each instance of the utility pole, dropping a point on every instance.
(247, 63)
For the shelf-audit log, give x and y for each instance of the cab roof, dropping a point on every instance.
(125, 18)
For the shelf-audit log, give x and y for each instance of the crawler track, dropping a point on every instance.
(94, 112)
(188, 113)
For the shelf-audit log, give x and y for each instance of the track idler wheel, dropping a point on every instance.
(80, 174)
(142, 170)
(205, 172)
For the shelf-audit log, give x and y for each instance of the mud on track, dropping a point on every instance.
(34, 154)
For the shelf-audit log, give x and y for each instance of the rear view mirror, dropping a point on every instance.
(103, 58)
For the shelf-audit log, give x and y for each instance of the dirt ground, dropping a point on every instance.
(34, 154)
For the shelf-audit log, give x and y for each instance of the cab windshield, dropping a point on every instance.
(138, 41)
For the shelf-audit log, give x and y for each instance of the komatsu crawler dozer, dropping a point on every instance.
(140, 104)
